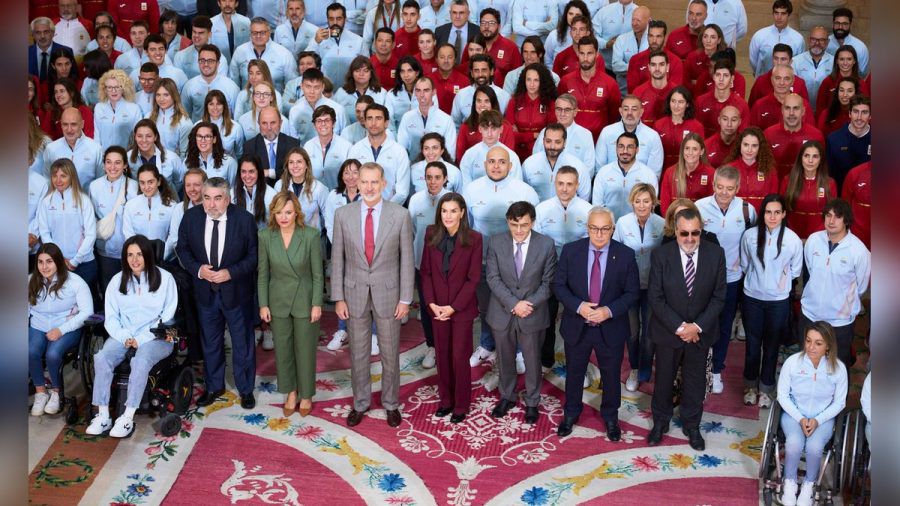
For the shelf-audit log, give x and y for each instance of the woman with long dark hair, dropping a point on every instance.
(433, 149)
(846, 64)
(249, 189)
(361, 79)
(677, 120)
(753, 158)
(172, 120)
(138, 298)
(109, 194)
(206, 151)
(215, 111)
(58, 304)
(771, 258)
(65, 94)
(838, 112)
(710, 40)
(150, 215)
(807, 189)
(146, 147)
(560, 38)
(531, 107)
(450, 271)
(483, 99)
(401, 98)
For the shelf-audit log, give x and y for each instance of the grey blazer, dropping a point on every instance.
(507, 289)
(390, 278)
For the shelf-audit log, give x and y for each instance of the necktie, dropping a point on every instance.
(44, 59)
(370, 237)
(594, 290)
(231, 41)
(214, 246)
(520, 260)
(271, 155)
(689, 273)
(458, 45)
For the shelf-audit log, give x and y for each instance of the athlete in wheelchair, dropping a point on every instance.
(807, 421)
(138, 300)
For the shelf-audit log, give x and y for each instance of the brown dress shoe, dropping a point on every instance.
(288, 408)
(304, 411)
(354, 418)
(393, 417)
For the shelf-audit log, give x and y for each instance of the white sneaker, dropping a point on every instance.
(631, 384)
(123, 428)
(479, 355)
(765, 401)
(520, 363)
(375, 349)
(40, 403)
(52, 406)
(789, 495)
(806, 494)
(99, 425)
(337, 340)
(750, 396)
(717, 385)
(428, 359)
(268, 341)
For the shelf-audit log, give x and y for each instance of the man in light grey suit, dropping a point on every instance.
(372, 278)
(519, 267)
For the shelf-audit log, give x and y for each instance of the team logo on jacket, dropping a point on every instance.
(393, 73)
(143, 6)
(500, 54)
(703, 179)
(599, 92)
(821, 192)
(760, 177)
(455, 89)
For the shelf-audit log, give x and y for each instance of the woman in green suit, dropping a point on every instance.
(290, 298)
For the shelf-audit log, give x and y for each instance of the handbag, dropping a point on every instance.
(106, 227)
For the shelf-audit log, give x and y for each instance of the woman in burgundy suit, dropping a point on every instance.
(450, 270)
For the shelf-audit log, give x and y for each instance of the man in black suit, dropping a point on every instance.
(597, 282)
(270, 145)
(42, 31)
(218, 242)
(458, 32)
(687, 292)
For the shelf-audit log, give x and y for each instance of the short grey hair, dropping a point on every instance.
(42, 20)
(602, 210)
(219, 183)
(568, 97)
(727, 172)
(464, 3)
(372, 166)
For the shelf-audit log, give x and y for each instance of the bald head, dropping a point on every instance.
(71, 123)
(269, 122)
(496, 163)
(792, 111)
(818, 41)
(729, 121)
(639, 19)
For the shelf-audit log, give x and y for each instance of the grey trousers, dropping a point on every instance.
(530, 345)
(388, 330)
(112, 354)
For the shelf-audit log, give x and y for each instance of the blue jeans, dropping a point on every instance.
(796, 444)
(765, 321)
(112, 354)
(39, 347)
(640, 346)
(726, 321)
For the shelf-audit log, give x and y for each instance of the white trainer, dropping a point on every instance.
(765, 400)
(750, 396)
(99, 425)
(268, 340)
(337, 340)
(717, 385)
(479, 355)
(123, 428)
(428, 359)
(631, 384)
(520, 363)
(40, 403)
(375, 349)
(52, 406)
(806, 494)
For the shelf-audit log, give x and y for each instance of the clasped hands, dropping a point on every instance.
(214, 276)
(594, 313)
(809, 425)
(441, 313)
(688, 332)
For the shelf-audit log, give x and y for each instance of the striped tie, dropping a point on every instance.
(689, 274)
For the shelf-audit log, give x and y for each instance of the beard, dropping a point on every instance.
(840, 33)
(552, 153)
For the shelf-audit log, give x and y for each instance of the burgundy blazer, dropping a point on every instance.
(457, 288)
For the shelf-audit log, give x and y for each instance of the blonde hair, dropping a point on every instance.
(681, 169)
(669, 227)
(643, 188)
(281, 199)
(125, 81)
(286, 178)
(179, 113)
(65, 165)
(273, 101)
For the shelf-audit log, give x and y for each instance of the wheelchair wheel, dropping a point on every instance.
(768, 496)
(767, 453)
(170, 425)
(90, 344)
(183, 390)
(842, 437)
(71, 411)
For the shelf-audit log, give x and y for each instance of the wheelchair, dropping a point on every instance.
(832, 470)
(858, 486)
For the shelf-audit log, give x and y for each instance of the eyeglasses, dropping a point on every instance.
(322, 121)
(204, 137)
(206, 61)
(262, 94)
(692, 233)
(264, 33)
(820, 40)
(113, 88)
(489, 23)
(565, 109)
(600, 230)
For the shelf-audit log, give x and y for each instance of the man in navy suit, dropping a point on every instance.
(458, 27)
(42, 31)
(597, 282)
(270, 145)
(218, 242)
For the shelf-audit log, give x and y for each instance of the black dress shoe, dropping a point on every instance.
(565, 426)
(354, 417)
(502, 408)
(656, 433)
(442, 412)
(457, 417)
(694, 438)
(248, 401)
(613, 432)
(393, 417)
(209, 397)
(531, 414)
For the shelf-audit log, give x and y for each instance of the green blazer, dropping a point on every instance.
(290, 280)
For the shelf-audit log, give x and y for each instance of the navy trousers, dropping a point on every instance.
(213, 319)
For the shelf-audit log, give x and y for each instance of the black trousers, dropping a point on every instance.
(610, 352)
(548, 349)
(692, 358)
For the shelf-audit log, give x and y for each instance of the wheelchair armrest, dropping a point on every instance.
(165, 332)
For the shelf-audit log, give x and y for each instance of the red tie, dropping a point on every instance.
(370, 237)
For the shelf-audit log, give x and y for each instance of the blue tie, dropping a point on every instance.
(271, 155)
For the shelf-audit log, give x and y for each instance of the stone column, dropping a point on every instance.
(817, 12)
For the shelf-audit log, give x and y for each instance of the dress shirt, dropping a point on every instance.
(376, 217)
(207, 236)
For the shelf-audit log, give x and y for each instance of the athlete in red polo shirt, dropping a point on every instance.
(752, 157)
(447, 81)
(709, 106)
(566, 60)
(384, 59)
(807, 189)
(531, 109)
(427, 52)
(126, 12)
(767, 110)
(406, 38)
(788, 136)
(719, 145)
(691, 177)
(857, 191)
(782, 54)
(505, 53)
(684, 39)
(639, 64)
(676, 123)
(598, 94)
(654, 91)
